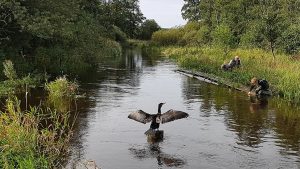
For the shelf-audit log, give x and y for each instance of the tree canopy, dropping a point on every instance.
(57, 36)
(270, 24)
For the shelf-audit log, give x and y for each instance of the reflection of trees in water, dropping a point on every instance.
(251, 118)
(153, 151)
(250, 127)
(287, 126)
(115, 77)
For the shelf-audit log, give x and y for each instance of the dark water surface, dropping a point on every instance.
(225, 129)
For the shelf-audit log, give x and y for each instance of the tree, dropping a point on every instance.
(126, 15)
(223, 37)
(55, 36)
(148, 28)
(190, 10)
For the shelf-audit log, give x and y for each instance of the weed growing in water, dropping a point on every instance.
(61, 93)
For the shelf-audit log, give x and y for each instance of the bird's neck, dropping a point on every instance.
(159, 110)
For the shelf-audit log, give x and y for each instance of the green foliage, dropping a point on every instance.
(223, 37)
(171, 36)
(271, 25)
(148, 28)
(62, 88)
(9, 70)
(26, 142)
(252, 38)
(65, 37)
(290, 40)
(119, 35)
(126, 15)
(15, 85)
(61, 93)
(190, 10)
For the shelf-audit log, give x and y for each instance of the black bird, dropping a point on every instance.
(158, 118)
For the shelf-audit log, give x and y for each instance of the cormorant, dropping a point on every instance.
(158, 118)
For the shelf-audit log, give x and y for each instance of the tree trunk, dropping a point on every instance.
(272, 49)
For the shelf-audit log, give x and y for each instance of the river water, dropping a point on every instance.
(225, 129)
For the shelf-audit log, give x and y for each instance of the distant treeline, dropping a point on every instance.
(272, 25)
(66, 37)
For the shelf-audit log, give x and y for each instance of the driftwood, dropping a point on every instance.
(207, 78)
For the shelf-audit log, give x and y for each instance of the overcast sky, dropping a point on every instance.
(167, 13)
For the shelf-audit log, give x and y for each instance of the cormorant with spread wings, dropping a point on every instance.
(158, 118)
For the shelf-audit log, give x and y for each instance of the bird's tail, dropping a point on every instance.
(148, 132)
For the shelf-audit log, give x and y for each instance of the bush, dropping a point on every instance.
(166, 37)
(192, 33)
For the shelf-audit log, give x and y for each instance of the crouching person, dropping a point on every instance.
(261, 87)
(225, 66)
(235, 62)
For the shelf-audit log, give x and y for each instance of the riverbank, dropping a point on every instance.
(39, 136)
(281, 72)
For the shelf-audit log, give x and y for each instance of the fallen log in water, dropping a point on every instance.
(207, 78)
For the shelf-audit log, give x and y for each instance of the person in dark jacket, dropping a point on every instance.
(235, 62)
(261, 87)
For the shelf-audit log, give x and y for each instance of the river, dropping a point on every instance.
(225, 128)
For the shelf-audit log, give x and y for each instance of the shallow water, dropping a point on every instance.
(225, 129)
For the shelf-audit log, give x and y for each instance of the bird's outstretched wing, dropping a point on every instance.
(140, 116)
(172, 115)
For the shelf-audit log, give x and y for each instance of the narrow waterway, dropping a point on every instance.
(225, 129)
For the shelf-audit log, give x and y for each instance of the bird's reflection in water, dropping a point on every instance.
(153, 150)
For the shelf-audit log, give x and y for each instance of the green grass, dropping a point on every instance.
(282, 73)
(32, 139)
(38, 138)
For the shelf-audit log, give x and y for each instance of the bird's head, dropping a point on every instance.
(159, 107)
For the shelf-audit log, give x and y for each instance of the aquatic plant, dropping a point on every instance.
(61, 93)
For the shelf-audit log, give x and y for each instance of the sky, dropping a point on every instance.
(167, 13)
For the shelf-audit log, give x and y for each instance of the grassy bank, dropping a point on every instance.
(282, 73)
(38, 137)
